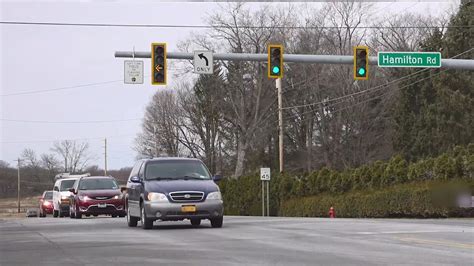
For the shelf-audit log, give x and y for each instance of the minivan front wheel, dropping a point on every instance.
(131, 221)
(217, 222)
(145, 222)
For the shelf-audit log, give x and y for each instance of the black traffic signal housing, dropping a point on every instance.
(361, 63)
(275, 61)
(158, 64)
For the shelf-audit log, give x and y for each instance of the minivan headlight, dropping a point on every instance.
(118, 196)
(84, 198)
(157, 197)
(214, 196)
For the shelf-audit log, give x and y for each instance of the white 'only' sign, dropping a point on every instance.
(203, 62)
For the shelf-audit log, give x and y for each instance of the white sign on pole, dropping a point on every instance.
(133, 72)
(203, 62)
(265, 174)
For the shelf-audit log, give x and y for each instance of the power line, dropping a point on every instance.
(371, 90)
(376, 88)
(69, 139)
(69, 87)
(214, 26)
(61, 88)
(69, 122)
(366, 100)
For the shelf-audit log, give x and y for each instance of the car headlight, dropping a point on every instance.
(214, 196)
(158, 197)
(84, 198)
(64, 197)
(118, 196)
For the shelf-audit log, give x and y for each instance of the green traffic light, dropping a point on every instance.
(361, 71)
(276, 70)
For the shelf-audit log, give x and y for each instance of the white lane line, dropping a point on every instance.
(416, 231)
(436, 242)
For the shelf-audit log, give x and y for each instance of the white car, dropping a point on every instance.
(61, 196)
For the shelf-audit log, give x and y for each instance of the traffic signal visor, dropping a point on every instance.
(361, 62)
(275, 61)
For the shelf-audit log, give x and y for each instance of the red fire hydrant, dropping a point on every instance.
(332, 212)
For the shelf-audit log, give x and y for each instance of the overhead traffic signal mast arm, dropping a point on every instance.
(467, 64)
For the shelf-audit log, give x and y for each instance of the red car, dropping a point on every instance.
(96, 195)
(46, 203)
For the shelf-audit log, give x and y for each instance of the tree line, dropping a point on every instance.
(37, 172)
(229, 119)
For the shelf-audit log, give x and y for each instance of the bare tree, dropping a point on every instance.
(49, 162)
(326, 126)
(161, 133)
(79, 157)
(249, 96)
(74, 155)
(201, 106)
(29, 158)
(31, 162)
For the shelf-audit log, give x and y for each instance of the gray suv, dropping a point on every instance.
(172, 189)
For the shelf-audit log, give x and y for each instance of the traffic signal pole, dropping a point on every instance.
(280, 122)
(467, 64)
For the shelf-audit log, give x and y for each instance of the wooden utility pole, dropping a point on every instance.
(105, 155)
(18, 194)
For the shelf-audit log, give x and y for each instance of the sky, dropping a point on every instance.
(81, 60)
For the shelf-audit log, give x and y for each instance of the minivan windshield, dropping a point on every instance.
(176, 169)
(67, 184)
(97, 183)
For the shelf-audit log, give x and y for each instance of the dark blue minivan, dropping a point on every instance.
(172, 189)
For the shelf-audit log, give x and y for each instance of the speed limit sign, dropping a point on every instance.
(265, 174)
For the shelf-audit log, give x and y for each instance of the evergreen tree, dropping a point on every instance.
(435, 111)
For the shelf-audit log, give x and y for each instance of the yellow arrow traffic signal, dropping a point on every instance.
(158, 58)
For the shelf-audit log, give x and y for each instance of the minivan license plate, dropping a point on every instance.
(102, 205)
(189, 208)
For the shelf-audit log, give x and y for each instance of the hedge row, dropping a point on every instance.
(422, 200)
(243, 196)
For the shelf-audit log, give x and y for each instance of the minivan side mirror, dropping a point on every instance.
(135, 179)
(72, 191)
(217, 178)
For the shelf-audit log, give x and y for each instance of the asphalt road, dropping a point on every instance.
(242, 241)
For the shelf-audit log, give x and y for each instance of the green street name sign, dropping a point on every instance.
(409, 59)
